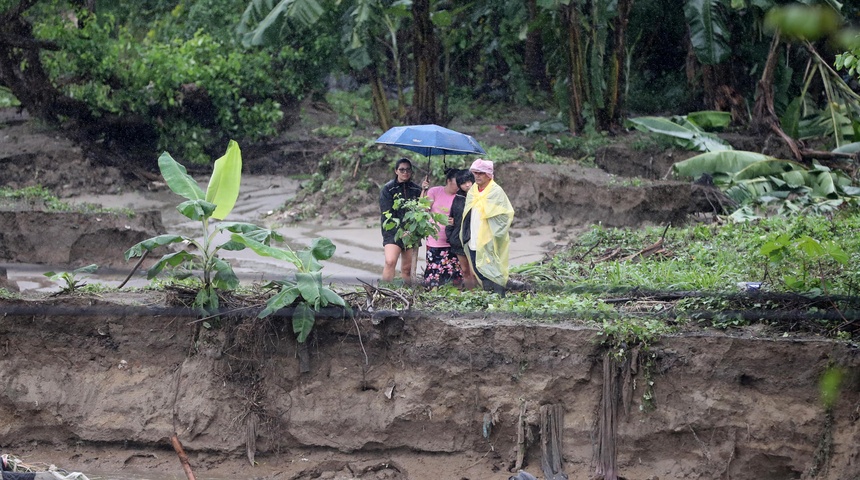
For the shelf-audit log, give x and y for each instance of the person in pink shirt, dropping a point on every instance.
(442, 265)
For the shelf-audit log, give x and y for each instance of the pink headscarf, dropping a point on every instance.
(483, 166)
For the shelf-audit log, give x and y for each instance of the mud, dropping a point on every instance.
(413, 397)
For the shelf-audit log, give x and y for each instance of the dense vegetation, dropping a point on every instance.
(187, 75)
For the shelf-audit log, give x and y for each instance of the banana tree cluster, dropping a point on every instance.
(751, 178)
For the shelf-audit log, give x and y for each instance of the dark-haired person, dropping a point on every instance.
(401, 186)
(489, 214)
(442, 265)
(464, 180)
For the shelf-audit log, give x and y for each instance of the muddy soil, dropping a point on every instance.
(410, 397)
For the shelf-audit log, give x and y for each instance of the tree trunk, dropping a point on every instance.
(576, 63)
(615, 80)
(533, 55)
(31, 85)
(380, 103)
(764, 113)
(426, 63)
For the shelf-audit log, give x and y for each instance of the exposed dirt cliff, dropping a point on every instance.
(89, 384)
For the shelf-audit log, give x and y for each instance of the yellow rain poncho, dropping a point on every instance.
(492, 241)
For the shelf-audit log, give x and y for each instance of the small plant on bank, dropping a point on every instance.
(306, 292)
(69, 281)
(417, 223)
(811, 254)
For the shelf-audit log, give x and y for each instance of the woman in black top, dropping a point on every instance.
(465, 179)
(401, 186)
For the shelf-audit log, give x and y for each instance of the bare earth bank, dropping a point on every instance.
(412, 397)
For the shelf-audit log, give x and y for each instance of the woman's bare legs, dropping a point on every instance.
(406, 264)
(392, 254)
(469, 281)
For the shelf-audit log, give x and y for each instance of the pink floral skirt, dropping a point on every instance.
(442, 267)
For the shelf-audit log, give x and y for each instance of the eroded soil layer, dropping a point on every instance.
(415, 397)
(74, 239)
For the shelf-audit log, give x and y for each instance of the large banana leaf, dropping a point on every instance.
(223, 187)
(768, 167)
(709, 32)
(689, 135)
(848, 148)
(726, 162)
(177, 178)
(263, 20)
(710, 119)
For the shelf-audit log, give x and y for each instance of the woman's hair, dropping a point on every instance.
(464, 176)
(450, 173)
(402, 160)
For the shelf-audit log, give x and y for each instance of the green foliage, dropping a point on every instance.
(417, 223)
(69, 281)
(803, 22)
(306, 294)
(7, 99)
(352, 108)
(333, 131)
(543, 306)
(195, 90)
(830, 385)
(707, 258)
(8, 295)
(623, 333)
(710, 34)
(837, 118)
(688, 131)
(215, 203)
(751, 178)
(816, 258)
(38, 196)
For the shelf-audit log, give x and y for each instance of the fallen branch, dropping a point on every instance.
(656, 247)
(612, 254)
(183, 458)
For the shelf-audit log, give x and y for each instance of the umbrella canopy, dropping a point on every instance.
(431, 140)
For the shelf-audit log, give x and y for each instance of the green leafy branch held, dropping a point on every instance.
(418, 222)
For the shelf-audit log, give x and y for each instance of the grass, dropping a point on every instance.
(38, 196)
(692, 281)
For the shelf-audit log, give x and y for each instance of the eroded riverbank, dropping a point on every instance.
(430, 397)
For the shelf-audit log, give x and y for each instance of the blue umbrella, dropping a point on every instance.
(431, 140)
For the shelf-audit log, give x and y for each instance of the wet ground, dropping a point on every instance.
(359, 254)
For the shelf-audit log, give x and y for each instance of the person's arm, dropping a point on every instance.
(499, 225)
(425, 186)
(386, 201)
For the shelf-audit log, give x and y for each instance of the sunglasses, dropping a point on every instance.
(404, 170)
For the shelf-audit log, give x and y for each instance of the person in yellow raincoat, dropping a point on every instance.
(487, 218)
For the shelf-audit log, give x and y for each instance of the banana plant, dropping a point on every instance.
(215, 203)
(748, 177)
(710, 34)
(688, 131)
